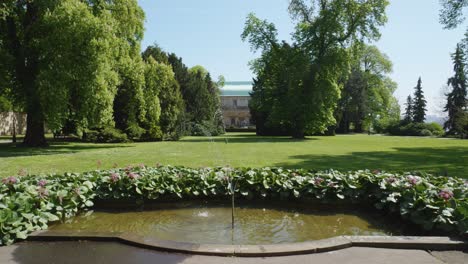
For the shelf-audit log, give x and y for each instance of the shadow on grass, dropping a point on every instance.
(451, 161)
(248, 138)
(14, 150)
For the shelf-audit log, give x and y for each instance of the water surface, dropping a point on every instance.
(254, 223)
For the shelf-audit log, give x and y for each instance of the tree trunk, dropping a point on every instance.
(14, 128)
(298, 133)
(35, 133)
(358, 127)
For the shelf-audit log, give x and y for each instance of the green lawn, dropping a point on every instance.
(442, 156)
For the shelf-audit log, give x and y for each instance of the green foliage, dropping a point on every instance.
(419, 104)
(154, 133)
(457, 102)
(192, 97)
(451, 14)
(408, 110)
(415, 129)
(30, 202)
(206, 128)
(105, 135)
(302, 80)
(5, 104)
(73, 71)
(367, 100)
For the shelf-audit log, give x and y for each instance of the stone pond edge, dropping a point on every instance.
(308, 247)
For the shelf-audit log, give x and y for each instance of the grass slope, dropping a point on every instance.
(353, 152)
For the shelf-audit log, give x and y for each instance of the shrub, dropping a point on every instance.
(153, 134)
(134, 131)
(205, 128)
(425, 133)
(28, 203)
(415, 129)
(436, 129)
(105, 135)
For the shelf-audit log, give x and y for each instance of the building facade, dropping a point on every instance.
(11, 121)
(235, 97)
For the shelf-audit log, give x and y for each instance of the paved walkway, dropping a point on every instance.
(99, 252)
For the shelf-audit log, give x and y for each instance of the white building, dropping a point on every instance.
(235, 97)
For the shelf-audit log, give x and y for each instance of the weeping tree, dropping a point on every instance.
(303, 77)
(65, 59)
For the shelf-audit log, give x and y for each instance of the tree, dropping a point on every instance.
(199, 92)
(408, 118)
(457, 123)
(5, 104)
(419, 104)
(73, 70)
(367, 96)
(164, 103)
(303, 77)
(451, 14)
(157, 53)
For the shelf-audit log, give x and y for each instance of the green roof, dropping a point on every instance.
(236, 88)
(238, 83)
(235, 92)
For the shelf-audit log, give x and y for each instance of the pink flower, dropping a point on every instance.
(331, 184)
(318, 181)
(446, 194)
(133, 176)
(413, 180)
(42, 192)
(41, 183)
(390, 179)
(142, 166)
(115, 177)
(10, 180)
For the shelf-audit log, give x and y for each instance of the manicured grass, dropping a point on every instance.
(350, 152)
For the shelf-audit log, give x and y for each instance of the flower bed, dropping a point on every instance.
(29, 203)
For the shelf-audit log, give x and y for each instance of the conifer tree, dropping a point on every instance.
(419, 104)
(408, 110)
(457, 123)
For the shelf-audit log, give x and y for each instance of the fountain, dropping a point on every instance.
(255, 222)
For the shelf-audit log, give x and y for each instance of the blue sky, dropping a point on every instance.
(207, 32)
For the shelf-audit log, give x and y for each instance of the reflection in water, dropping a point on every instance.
(210, 224)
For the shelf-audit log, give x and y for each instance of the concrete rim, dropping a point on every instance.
(308, 247)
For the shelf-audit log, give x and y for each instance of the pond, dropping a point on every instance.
(255, 223)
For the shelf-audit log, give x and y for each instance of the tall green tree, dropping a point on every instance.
(408, 116)
(199, 92)
(63, 59)
(367, 96)
(419, 104)
(164, 103)
(457, 104)
(304, 76)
